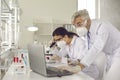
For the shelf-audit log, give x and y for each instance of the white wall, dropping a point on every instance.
(43, 10)
(110, 11)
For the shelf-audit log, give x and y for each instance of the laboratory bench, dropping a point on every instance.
(30, 75)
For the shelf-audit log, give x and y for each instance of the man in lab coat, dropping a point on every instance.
(100, 36)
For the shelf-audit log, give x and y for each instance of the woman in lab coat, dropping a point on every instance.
(73, 46)
(101, 36)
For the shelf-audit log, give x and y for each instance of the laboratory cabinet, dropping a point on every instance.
(46, 28)
(9, 31)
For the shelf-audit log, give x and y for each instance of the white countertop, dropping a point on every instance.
(30, 75)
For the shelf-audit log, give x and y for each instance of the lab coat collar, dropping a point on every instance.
(73, 40)
(92, 27)
(90, 30)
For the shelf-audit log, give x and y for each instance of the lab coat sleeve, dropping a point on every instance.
(62, 52)
(101, 37)
(81, 49)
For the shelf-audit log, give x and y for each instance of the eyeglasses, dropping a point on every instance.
(79, 24)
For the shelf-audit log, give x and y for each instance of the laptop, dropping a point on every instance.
(38, 63)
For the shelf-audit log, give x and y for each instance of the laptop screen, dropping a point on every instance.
(37, 58)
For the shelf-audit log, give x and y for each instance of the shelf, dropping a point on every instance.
(9, 14)
(44, 28)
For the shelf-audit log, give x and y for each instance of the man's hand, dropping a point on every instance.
(76, 62)
(73, 69)
(82, 66)
(73, 62)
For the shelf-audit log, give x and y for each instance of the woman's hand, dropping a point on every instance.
(56, 58)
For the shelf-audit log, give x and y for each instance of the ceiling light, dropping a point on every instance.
(32, 28)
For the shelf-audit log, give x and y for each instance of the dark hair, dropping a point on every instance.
(71, 34)
(62, 32)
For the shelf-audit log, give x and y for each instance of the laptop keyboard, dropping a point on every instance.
(51, 70)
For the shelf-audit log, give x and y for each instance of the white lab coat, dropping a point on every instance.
(76, 50)
(104, 37)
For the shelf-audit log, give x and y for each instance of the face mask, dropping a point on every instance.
(61, 44)
(82, 30)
